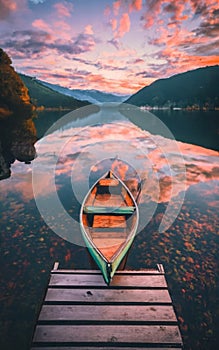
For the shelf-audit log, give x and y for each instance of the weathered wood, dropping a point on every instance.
(109, 221)
(142, 313)
(115, 296)
(81, 312)
(153, 281)
(108, 182)
(110, 235)
(100, 348)
(56, 266)
(108, 334)
(98, 272)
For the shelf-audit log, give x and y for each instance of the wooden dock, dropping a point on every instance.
(80, 312)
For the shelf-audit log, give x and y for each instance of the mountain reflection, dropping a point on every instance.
(17, 140)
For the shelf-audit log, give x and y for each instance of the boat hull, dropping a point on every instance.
(109, 219)
(107, 268)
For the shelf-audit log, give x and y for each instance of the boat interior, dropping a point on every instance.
(109, 216)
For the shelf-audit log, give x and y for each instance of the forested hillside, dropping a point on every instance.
(195, 89)
(43, 96)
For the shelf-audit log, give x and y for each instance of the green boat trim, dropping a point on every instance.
(107, 210)
(108, 267)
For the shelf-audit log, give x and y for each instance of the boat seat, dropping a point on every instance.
(108, 182)
(109, 210)
(109, 235)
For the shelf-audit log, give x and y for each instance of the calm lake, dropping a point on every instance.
(40, 203)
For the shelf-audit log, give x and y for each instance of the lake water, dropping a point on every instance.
(178, 206)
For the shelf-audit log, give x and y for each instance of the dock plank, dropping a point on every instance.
(81, 312)
(107, 334)
(100, 348)
(134, 281)
(98, 272)
(108, 313)
(108, 295)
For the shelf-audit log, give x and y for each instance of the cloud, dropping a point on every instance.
(83, 43)
(136, 5)
(70, 74)
(6, 8)
(36, 2)
(110, 65)
(137, 61)
(100, 82)
(29, 43)
(178, 61)
(208, 49)
(88, 30)
(199, 7)
(41, 25)
(150, 73)
(63, 9)
(176, 10)
(183, 47)
(115, 43)
(208, 28)
(107, 11)
(124, 25)
(116, 7)
(113, 23)
(170, 12)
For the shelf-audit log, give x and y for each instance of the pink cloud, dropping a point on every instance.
(113, 23)
(148, 21)
(9, 7)
(116, 7)
(156, 9)
(66, 33)
(89, 30)
(107, 11)
(124, 25)
(41, 25)
(63, 9)
(136, 5)
(179, 61)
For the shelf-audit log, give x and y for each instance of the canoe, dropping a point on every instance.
(109, 219)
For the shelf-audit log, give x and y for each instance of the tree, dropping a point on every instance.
(14, 96)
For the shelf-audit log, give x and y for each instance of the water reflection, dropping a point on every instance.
(17, 140)
(69, 160)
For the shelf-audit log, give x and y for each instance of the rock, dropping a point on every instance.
(5, 171)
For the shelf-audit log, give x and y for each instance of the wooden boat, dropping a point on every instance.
(109, 218)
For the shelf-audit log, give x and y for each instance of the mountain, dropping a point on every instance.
(42, 95)
(196, 88)
(93, 96)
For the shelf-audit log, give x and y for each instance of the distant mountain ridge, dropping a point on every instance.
(93, 96)
(196, 88)
(43, 96)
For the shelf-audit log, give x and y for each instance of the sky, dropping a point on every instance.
(115, 46)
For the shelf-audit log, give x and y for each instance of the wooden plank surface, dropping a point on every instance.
(109, 221)
(81, 312)
(142, 313)
(100, 348)
(107, 334)
(151, 281)
(142, 272)
(111, 200)
(94, 295)
(108, 235)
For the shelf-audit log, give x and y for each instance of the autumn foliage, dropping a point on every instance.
(14, 96)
